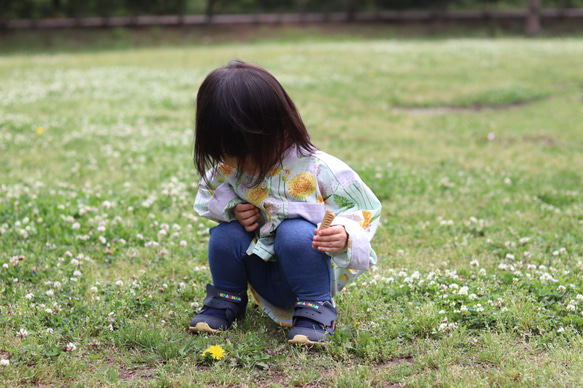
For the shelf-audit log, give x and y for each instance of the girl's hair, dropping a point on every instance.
(243, 112)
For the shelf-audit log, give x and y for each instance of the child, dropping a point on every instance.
(268, 187)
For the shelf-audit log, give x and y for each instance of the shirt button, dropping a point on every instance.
(263, 185)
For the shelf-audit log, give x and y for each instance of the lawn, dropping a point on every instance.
(474, 147)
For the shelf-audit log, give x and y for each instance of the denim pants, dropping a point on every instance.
(298, 273)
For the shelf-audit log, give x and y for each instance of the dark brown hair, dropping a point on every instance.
(243, 111)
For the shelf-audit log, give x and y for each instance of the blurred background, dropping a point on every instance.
(524, 15)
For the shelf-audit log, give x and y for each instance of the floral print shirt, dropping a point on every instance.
(304, 186)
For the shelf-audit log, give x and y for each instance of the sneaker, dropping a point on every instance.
(313, 322)
(221, 309)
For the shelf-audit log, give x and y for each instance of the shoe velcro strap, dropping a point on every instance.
(316, 312)
(224, 300)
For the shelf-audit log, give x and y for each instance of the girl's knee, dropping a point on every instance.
(226, 234)
(294, 233)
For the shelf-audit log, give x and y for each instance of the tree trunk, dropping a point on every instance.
(533, 26)
(210, 11)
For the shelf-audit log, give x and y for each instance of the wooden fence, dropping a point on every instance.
(296, 18)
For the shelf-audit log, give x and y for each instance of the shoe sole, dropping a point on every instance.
(300, 339)
(203, 327)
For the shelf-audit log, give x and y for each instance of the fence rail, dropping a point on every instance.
(285, 18)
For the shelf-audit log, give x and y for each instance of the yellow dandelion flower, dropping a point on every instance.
(226, 169)
(367, 218)
(257, 195)
(302, 185)
(275, 171)
(215, 352)
(40, 130)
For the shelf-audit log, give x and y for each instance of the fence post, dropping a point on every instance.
(533, 26)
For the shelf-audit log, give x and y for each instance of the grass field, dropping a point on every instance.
(474, 147)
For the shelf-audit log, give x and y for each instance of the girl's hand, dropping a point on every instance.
(247, 214)
(332, 239)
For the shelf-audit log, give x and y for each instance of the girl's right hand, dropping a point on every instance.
(247, 214)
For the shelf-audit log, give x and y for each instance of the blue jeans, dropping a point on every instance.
(300, 272)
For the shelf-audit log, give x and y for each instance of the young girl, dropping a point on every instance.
(268, 187)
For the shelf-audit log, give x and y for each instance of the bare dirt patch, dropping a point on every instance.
(456, 108)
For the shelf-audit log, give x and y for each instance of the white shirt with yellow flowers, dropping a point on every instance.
(304, 186)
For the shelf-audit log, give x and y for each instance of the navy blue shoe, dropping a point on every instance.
(221, 309)
(313, 322)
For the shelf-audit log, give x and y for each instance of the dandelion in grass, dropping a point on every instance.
(215, 352)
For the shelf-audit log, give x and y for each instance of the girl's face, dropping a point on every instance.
(248, 165)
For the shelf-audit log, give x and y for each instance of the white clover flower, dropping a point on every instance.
(464, 309)
(560, 329)
(4, 362)
(474, 263)
(22, 333)
(119, 283)
(5, 265)
(571, 307)
(579, 297)
(70, 347)
(77, 273)
(561, 288)
(546, 277)
(463, 291)
(50, 331)
(524, 240)
(441, 311)
(454, 286)
(139, 236)
(510, 256)
(183, 243)
(93, 289)
(472, 297)
(50, 292)
(29, 296)
(48, 311)
(76, 226)
(102, 240)
(74, 262)
(57, 284)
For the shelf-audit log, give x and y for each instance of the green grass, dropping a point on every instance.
(479, 280)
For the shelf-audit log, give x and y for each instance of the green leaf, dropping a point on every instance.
(343, 202)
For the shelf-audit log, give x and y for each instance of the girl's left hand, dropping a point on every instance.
(332, 239)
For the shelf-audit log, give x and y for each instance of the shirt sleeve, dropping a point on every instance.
(356, 208)
(215, 199)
